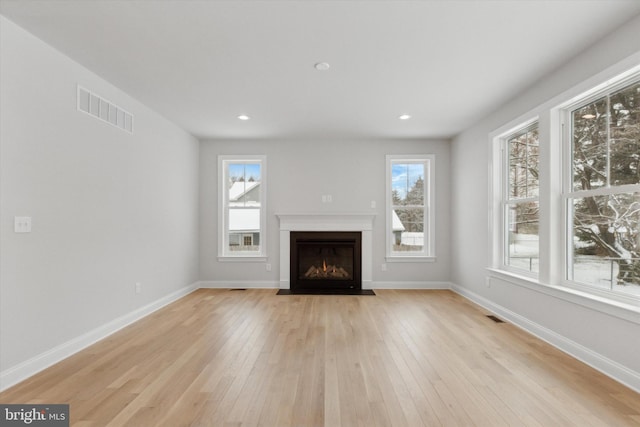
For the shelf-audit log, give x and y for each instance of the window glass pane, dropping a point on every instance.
(517, 167)
(523, 165)
(533, 149)
(606, 242)
(408, 229)
(407, 184)
(590, 146)
(243, 182)
(625, 135)
(244, 207)
(523, 237)
(244, 225)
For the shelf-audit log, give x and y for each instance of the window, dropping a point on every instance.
(602, 190)
(520, 199)
(410, 218)
(242, 206)
(565, 194)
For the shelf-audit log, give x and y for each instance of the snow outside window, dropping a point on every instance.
(410, 221)
(242, 206)
(602, 194)
(565, 194)
(521, 207)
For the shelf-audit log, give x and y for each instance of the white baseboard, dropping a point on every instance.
(411, 285)
(12, 376)
(267, 284)
(234, 284)
(597, 361)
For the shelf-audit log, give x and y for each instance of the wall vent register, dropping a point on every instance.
(100, 108)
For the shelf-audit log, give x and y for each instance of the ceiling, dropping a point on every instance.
(203, 63)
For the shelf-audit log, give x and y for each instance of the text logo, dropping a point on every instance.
(34, 415)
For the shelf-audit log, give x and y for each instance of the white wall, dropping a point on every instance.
(607, 339)
(109, 209)
(299, 173)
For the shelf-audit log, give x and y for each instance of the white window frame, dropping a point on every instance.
(428, 252)
(568, 193)
(555, 224)
(224, 254)
(503, 199)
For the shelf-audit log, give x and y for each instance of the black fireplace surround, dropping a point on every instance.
(325, 262)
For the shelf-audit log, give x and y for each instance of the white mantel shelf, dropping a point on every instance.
(362, 222)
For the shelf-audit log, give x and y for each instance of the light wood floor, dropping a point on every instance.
(401, 358)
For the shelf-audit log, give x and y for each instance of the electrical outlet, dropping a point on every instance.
(268, 267)
(373, 204)
(383, 267)
(22, 224)
(487, 281)
(138, 288)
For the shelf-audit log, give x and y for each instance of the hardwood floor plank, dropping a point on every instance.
(401, 358)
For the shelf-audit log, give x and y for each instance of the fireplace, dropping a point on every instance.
(362, 223)
(325, 261)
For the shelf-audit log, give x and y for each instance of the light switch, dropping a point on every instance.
(22, 224)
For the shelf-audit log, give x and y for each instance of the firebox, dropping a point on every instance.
(325, 261)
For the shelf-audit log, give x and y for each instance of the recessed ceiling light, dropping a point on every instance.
(404, 117)
(243, 117)
(322, 66)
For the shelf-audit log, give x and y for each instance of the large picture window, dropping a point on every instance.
(410, 217)
(602, 193)
(242, 206)
(565, 193)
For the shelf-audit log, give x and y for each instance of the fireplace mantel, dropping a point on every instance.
(326, 222)
(362, 222)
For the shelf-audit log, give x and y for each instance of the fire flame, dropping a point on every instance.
(324, 265)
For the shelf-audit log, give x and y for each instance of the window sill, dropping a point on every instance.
(629, 311)
(392, 258)
(243, 258)
(521, 275)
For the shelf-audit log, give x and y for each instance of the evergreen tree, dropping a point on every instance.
(412, 217)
